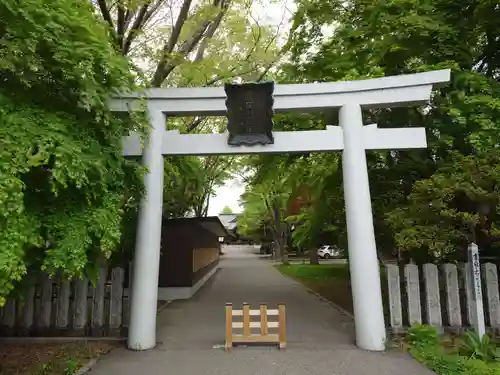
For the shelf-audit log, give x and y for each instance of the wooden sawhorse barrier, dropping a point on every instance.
(263, 337)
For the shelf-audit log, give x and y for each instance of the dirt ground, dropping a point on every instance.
(49, 358)
(337, 291)
(331, 281)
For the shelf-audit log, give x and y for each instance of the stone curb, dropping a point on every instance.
(163, 307)
(333, 304)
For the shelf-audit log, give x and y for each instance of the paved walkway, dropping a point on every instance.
(191, 332)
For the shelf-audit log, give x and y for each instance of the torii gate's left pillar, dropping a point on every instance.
(144, 293)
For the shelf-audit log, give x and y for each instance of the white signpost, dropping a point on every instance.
(474, 271)
(351, 136)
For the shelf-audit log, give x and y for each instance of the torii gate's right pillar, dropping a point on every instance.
(363, 262)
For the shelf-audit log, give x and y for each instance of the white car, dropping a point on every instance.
(327, 251)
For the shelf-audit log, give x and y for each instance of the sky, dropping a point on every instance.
(227, 195)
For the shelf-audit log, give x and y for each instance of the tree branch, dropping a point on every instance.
(195, 124)
(152, 10)
(176, 32)
(129, 14)
(120, 24)
(166, 64)
(161, 70)
(105, 13)
(137, 26)
(209, 34)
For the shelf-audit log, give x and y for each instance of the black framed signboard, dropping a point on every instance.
(249, 113)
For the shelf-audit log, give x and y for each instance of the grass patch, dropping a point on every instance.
(316, 271)
(49, 358)
(445, 355)
(330, 281)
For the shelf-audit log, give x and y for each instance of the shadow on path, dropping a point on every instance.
(191, 332)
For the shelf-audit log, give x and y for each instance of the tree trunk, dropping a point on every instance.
(284, 259)
(313, 256)
(284, 243)
(283, 252)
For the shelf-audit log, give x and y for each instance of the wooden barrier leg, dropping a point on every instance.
(229, 327)
(282, 326)
(263, 320)
(246, 320)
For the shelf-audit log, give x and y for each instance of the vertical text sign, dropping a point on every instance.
(477, 294)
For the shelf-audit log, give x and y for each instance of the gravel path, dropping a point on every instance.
(191, 332)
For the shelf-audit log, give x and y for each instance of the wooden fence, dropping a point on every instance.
(52, 307)
(440, 296)
(245, 336)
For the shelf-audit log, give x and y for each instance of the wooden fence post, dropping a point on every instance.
(116, 301)
(246, 320)
(81, 287)
(27, 311)
(229, 326)
(263, 320)
(62, 312)
(8, 321)
(45, 312)
(282, 326)
(98, 292)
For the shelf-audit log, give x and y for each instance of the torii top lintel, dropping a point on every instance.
(410, 89)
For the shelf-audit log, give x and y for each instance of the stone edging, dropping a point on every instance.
(333, 304)
(163, 307)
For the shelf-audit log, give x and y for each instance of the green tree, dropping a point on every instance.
(454, 207)
(64, 184)
(266, 203)
(370, 39)
(227, 210)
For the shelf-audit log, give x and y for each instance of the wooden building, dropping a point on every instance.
(189, 256)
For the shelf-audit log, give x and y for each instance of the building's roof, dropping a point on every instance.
(229, 220)
(210, 223)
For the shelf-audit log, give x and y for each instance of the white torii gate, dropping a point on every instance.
(351, 137)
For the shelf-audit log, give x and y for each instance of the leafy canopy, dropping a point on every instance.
(64, 184)
(424, 201)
